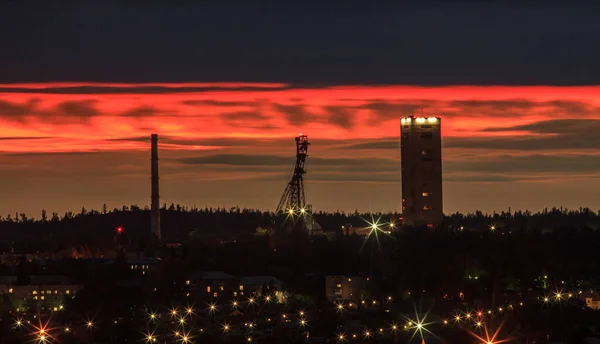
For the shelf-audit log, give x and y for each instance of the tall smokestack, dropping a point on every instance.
(155, 207)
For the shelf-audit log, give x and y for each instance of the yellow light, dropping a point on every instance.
(419, 326)
(185, 339)
(302, 322)
(457, 318)
(42, 331)
(152, 316)
(268, 298)
(67, 329)
(301, 313)
(189, 310)
(341, 337)
(303, 210)
(420, 120)
(478, 324)
(432, 120)
(445, 322)
(374, 226)
(468, 315)
(291, 211)
(367, 334)
(249, 339)
(394, 327)
(174, 313)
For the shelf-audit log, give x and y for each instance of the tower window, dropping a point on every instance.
(426, 207)
(425, 194)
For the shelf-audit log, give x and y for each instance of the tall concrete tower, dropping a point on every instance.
(155, 207)
(421, 160)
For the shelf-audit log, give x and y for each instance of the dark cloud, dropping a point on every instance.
(487, 178)
(140, 112)
(386, 110)
(341, 116)
(82, 109)
(376, 144)
(18, 111)
(294, 114)
(495, 105)
(217, 103)
(243, 116)
(63, 112)
(536, 163)
(271, 160)
(556, 126)
(517, 107)
(559, 134)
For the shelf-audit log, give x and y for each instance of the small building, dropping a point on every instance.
(213, 283)
(344, 288)
(257, 284)
(48, 290)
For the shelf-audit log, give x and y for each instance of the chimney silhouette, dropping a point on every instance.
(155, 207)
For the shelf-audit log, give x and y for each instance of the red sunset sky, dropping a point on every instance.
(68, 145)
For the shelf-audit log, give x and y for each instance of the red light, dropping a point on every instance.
(119, 229)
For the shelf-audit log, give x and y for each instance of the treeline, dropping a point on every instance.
(95, 229)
